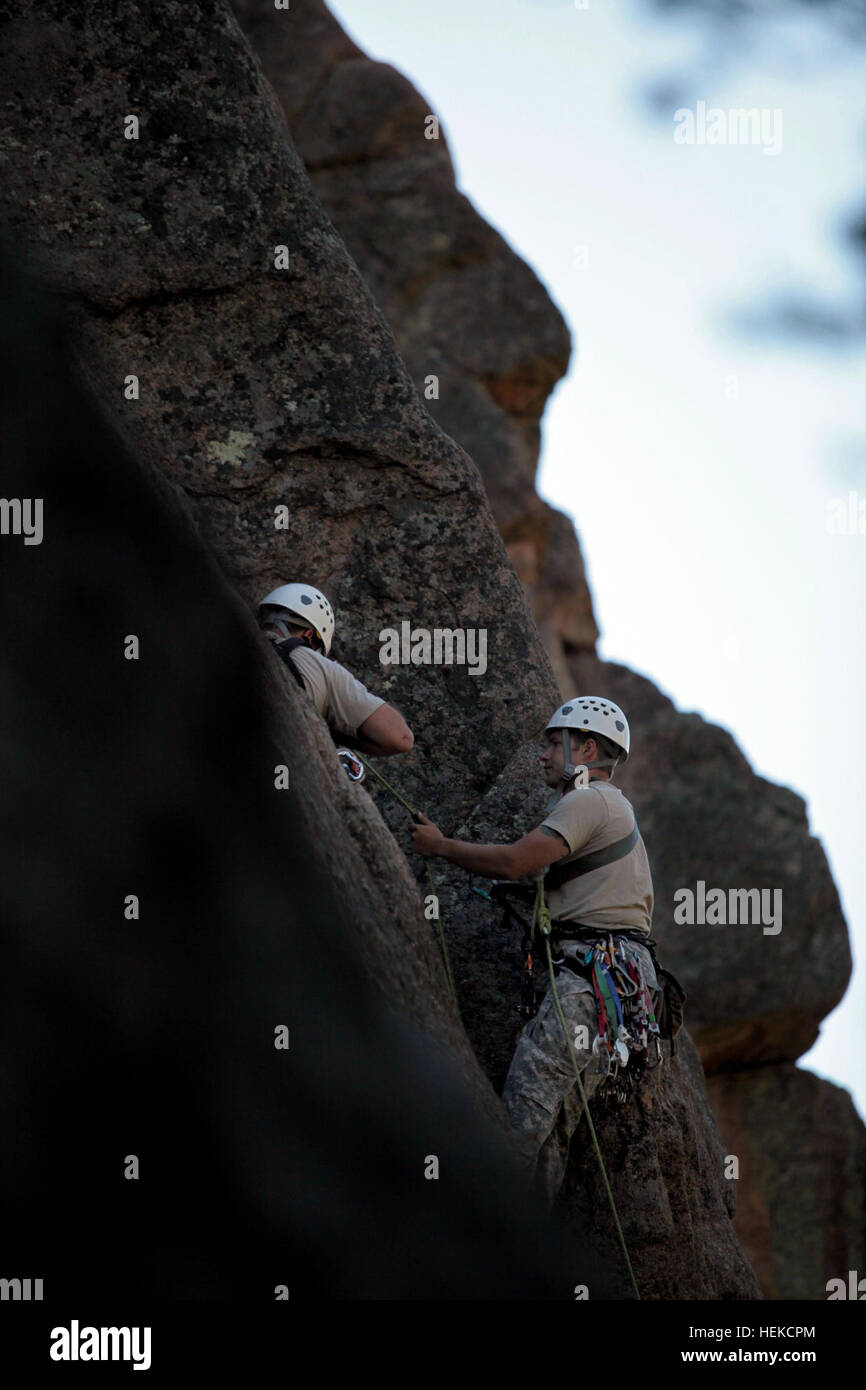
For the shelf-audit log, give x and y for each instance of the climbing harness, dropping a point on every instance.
(655, 1022)
(414, 814)
(627, 1025)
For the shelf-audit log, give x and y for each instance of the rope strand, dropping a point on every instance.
(439, 922)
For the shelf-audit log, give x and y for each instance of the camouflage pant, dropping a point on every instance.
(540, 1093)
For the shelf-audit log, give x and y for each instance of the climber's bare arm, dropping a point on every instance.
(535, 851)
(384, 733)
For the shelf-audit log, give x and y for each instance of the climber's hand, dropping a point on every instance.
(426, 837)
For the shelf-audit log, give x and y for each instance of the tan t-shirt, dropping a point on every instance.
(616, 895)
(342, 701)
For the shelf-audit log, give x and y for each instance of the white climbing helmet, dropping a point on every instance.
(590, 714)
(306, 603)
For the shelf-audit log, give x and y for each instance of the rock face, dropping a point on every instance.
(802, 1155)
(662, 1199)
(262, 388)
(464, 309)
(256, 388)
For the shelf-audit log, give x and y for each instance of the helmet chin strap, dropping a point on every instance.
(280, 625)
(571, 771)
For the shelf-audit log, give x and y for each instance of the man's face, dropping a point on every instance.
(552, 762)
(552, 757)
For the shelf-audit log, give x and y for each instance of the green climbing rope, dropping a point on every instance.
(541, 918)
(403, 802)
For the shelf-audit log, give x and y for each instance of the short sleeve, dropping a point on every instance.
(577, 816)
(309, 664)
(350, 703)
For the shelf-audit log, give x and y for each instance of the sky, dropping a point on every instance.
(706, 458)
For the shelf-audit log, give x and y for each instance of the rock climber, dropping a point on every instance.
(598, 884)
(299, 621)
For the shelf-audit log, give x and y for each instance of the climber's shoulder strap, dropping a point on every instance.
(559, 874)
(284, 651)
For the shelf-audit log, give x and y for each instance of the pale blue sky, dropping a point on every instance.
(733, 597)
